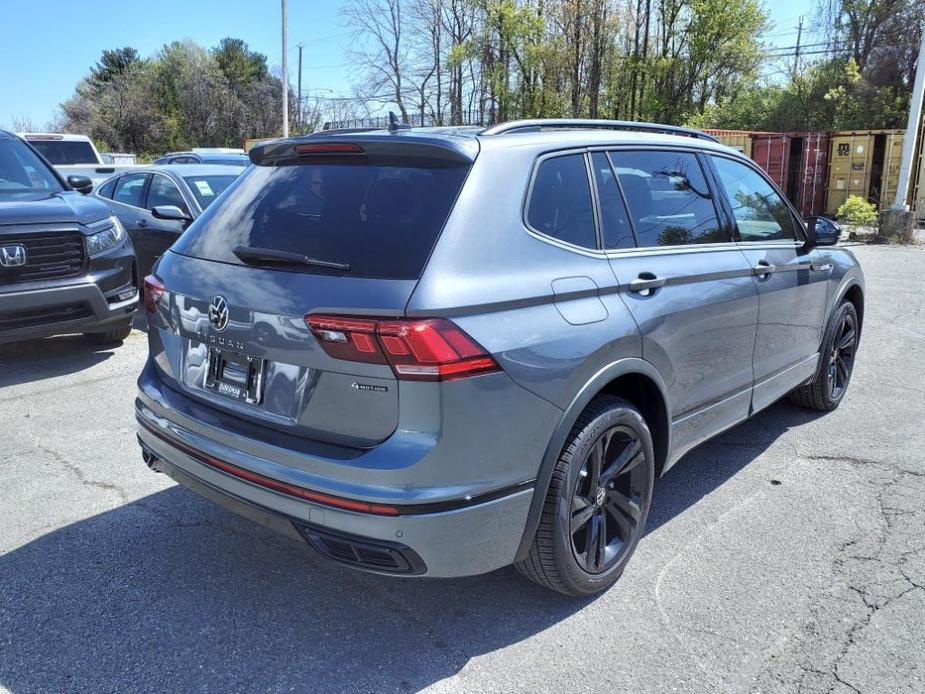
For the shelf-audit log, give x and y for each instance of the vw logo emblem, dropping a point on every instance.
(12, 256)
(218, 313)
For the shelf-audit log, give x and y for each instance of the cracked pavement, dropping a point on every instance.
(785, 556)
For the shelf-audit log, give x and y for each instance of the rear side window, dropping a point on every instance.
(760, 213)
(668, 198)
(381, 220)
(560, 201)
(108, 187)
(129, 189)
(615, 222)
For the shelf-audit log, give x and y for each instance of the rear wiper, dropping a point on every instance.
(271, 256)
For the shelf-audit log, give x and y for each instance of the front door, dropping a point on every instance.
(687, 285)
(792, 283)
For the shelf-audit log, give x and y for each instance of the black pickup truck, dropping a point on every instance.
(66, 264)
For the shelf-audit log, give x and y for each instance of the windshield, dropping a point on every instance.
(207, 188)
(381, 220)
(66, 151)
(228, 160)
(23, 172)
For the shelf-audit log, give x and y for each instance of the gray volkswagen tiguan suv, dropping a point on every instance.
(443, 351)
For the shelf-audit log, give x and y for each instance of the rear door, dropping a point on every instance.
(368, 221)
(688, 287)
(792, 283)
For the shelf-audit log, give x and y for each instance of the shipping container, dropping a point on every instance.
(864, 163)
(798, 163)
(739, 140)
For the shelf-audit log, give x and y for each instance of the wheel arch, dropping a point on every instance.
(854, 293)
(635, 380)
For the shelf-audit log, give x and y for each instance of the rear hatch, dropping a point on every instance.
(327, 228)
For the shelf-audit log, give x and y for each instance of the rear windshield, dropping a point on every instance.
(66, 151)
(22, 172)
(380, 220)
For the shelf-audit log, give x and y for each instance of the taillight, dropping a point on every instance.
(154, 290)
(433, 349)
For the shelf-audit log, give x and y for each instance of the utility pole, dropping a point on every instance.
(285, 74)
(912, 129)
(298, 118)
(796, 57)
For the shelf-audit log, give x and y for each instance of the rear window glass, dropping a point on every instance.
(380, 220)
(560, 202)
(668, 198)
(66, 151)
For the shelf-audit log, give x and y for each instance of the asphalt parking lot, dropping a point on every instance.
(788, 555)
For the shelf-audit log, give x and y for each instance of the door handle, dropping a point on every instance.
(763, 269)
(142, 223)
(820, 267)
(646, 283)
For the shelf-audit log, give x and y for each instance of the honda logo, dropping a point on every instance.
(12, 256)
(218, 313)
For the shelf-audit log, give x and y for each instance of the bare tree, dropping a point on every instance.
(378, 32)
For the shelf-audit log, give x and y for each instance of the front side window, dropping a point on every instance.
(163, 191)
(668, 198)
(129, 189)
(560, 201)
(760, 213)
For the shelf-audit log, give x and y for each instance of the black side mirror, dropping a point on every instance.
(81, 184)
(171, 213)
(821, 231)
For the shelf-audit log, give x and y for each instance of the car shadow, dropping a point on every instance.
(37, 360)
(172, 593)
(711, 464)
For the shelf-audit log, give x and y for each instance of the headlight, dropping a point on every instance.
(107, 239)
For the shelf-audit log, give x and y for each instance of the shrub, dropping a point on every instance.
(857, 212)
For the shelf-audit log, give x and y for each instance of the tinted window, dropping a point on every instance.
(760, 213)
(560, 202)
(207, 188)
(668, 198)
(163, 191)
(21, 171)
(381, 220)
(108, 187)
(129, 188)
(66, 152)
(615, 222)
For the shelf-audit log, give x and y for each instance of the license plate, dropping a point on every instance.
(235, 376)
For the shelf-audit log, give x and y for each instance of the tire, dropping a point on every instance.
(839, 347)
(556, 559)
(112, 337)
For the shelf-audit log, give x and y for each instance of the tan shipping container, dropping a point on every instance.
(864, 163)
(739, 140)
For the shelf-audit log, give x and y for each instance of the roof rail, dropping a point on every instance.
(538, 124)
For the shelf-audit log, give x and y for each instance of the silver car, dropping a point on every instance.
(442, 351)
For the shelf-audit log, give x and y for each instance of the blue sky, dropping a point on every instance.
(46, 51)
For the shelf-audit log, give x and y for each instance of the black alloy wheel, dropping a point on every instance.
(607, 502)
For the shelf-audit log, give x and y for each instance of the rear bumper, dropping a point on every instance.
(69, 308)
(470, 538)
